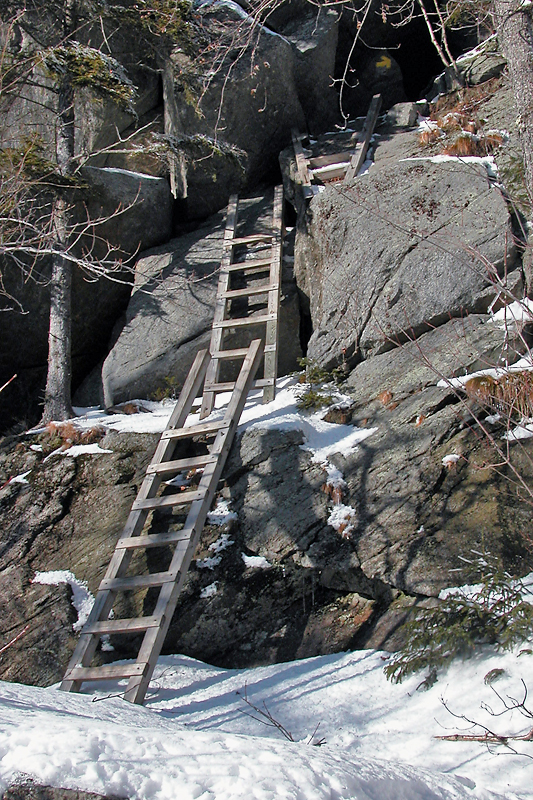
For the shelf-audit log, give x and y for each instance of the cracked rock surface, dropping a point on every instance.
(397, 251)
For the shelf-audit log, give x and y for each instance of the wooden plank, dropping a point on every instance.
(167, 467)
(240, 322)
(135, 625)
(154, 539)
(332, 158)
(326, 174)
(361, 148)
(251, 290)
(132, 582)
(104, 673)
(301, 165)
(251, 264)
(253, 238)
(238, 352)
(169, 500)
(202, 429)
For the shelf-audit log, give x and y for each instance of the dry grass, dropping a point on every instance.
(511, 395)
(66, 434)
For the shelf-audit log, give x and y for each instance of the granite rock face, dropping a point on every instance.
(170, 313)
(398, 251)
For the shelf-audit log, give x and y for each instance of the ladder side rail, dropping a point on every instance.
(302, 164)
(366, 134)
(272, 327)
(120, 560)
(154, 637)
(221, 306)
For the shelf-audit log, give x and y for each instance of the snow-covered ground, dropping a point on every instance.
(196, 740)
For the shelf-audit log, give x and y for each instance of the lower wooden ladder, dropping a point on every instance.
(254, 260)
(170, 582)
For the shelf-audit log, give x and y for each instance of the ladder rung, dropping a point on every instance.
(123, 625)
(104, 673)
(252, 239)
(229, 385)
(240, 322)
(250, 291)
(195, 430)
(153, 539)
(137, 581)
(238, 352)
(331, 172)
(256, 263)
(166, 467)
(169, 500)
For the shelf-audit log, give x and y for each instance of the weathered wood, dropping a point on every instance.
(153, 539)
(272, 325)
(121, 559)
(185, 541)
(202, 429)
(136, 625)
(180, 464)
(250, 291)
(240, 322)
(361, 148)
(168, 500)
(332, 158)
(105, 673)
(168, 596)
(253, 238)
(301, 165)
(259, 264)
(330, 173)
(221, 310)
(133, 582)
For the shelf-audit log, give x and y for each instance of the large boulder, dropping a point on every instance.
(397, 251)
(249, 101)
(170, 313)
(135, 213)
(313, 37)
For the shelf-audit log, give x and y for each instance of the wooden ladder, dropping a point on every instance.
(261, 272)
(184, 541)
(334, 166)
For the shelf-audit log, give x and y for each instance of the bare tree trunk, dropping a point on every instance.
(515, 35)
(57, 402)
(57, 398)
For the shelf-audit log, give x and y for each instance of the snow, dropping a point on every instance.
(255, 562)
(342, 519)
(522, 431)
(450, 459)
(82, 599)
(515, 315)
(192, 740)
(22, 478)
(221, 514)
(322, 439)
(84, 450)
(523, 363)
(209, 591)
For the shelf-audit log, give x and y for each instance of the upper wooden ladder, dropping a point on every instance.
(154, 628)
(313, 171)
(255, 261)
